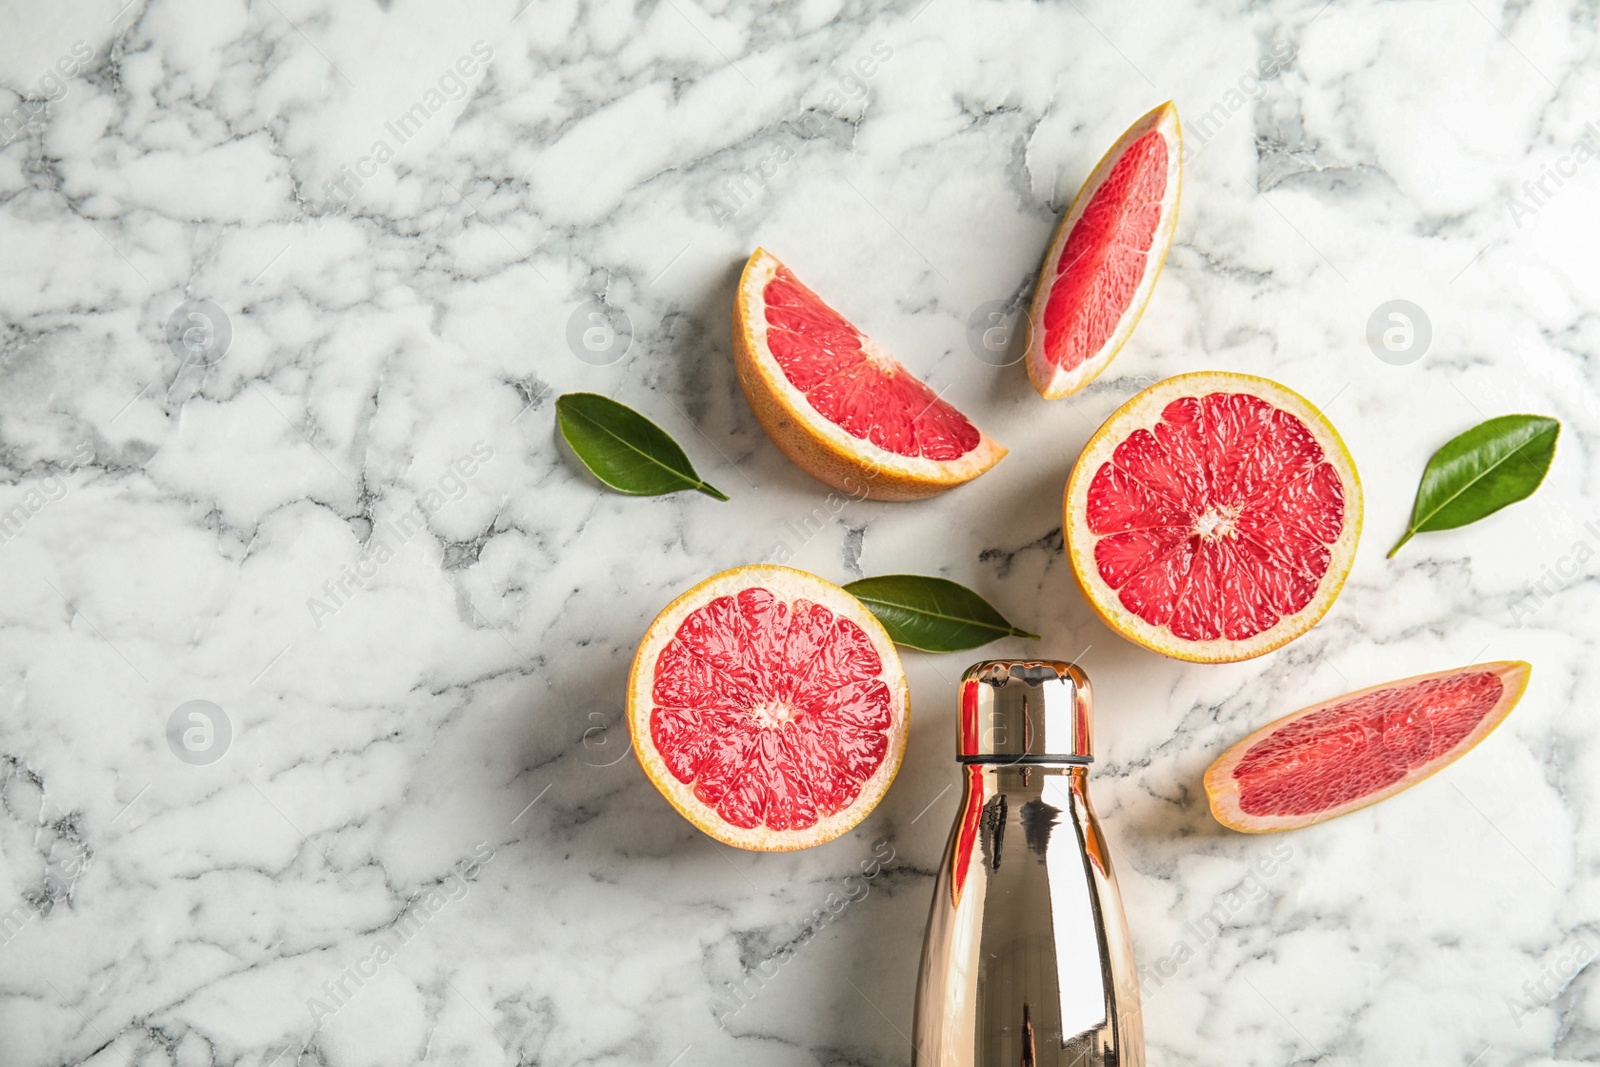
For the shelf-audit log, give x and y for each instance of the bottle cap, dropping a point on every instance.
(1025, 711)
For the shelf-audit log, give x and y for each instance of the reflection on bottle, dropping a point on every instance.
(1027, 958)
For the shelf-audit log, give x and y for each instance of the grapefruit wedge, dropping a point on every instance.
(1105, 257)
(1346, 753)
(1213, 517)
(837, 404)
(769, 707)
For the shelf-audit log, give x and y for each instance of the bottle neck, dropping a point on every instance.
(1012, 767)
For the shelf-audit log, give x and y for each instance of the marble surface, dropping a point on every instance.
(286, 293)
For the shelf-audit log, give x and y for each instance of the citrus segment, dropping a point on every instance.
(1213, 517)
(1105, 254)
(769, 707)
(824, 357)
(1105, 257)
(837, 404)
(1357, 749)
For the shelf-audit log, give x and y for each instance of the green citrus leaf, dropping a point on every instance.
(624, 449)
(1495, 463)
(932, 614)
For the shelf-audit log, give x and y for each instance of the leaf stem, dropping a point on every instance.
(711, 491)
(1398, 544)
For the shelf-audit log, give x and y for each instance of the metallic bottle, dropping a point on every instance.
(1027, 961)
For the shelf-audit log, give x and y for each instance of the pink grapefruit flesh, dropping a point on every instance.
(1355, 750)
(1214, 517)
(826, 358)
(769, 707)
(1105, 255)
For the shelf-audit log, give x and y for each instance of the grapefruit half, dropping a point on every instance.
(1213, 517)
(1106, 256)
(769, 707)
(837, 404)
(1346, 753)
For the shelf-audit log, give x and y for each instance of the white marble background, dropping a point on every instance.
(182, 506)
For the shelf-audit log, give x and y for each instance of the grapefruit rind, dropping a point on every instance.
(1143, 411)
(1222, 789)
(817, 446)
(1051, 381)
(789, 584)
